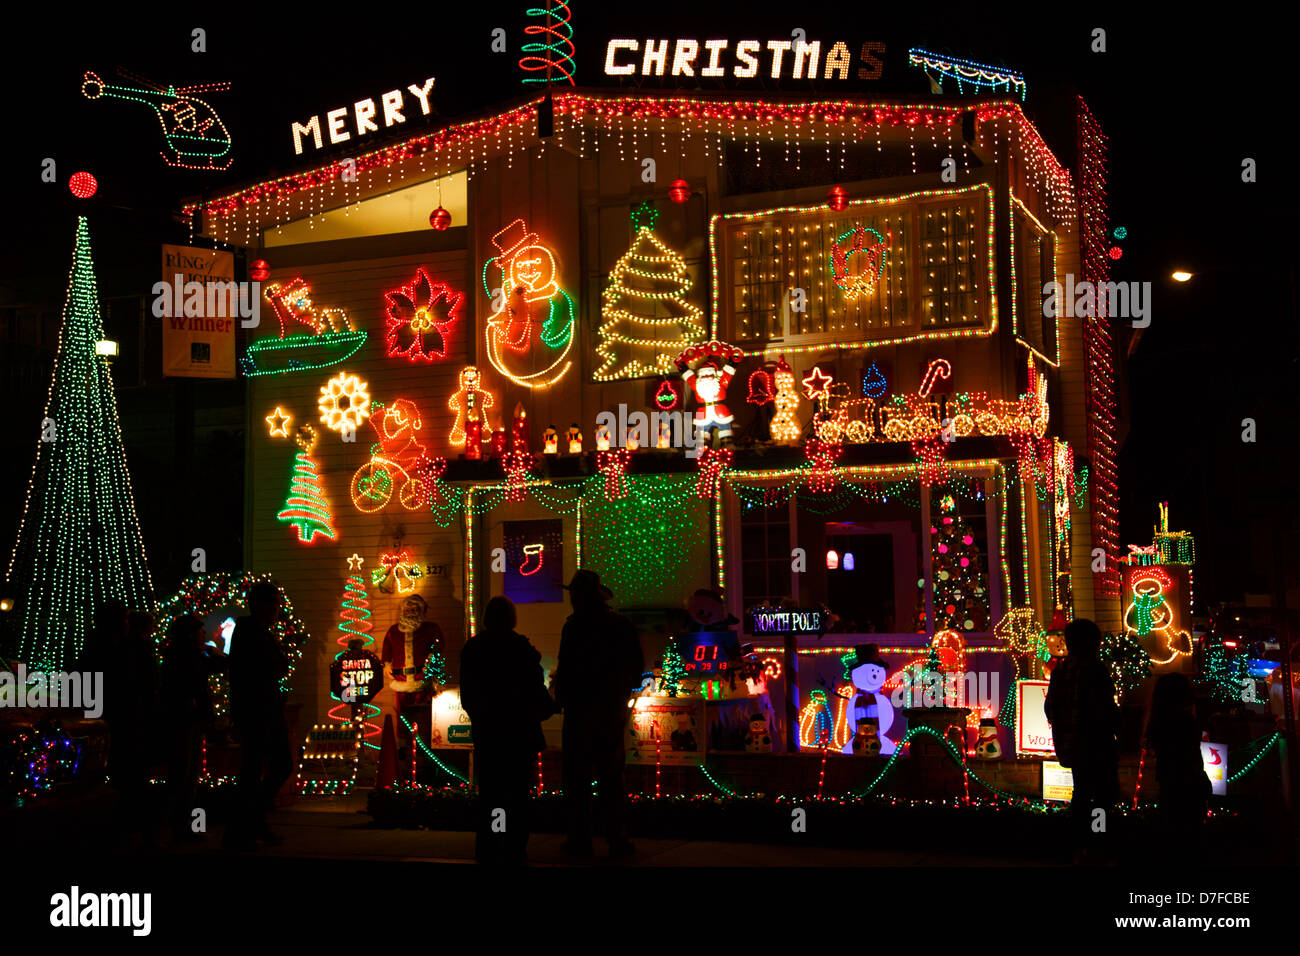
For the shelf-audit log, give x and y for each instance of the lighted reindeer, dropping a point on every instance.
(194, 135)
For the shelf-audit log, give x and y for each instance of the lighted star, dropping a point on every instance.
(355, 562)
(279, 423)
(817, 384)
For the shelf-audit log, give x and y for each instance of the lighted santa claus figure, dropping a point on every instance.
(412, 656)
(708, 370)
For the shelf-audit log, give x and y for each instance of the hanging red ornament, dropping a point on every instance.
(838, 198)
(82, 185)
(440, 219)
(667, 397)
(679, 191)
(259, 271)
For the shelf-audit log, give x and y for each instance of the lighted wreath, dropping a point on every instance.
(202, 594)
(869, 245)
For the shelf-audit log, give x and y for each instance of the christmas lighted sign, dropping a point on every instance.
(356, 677)
(786, 620)
(786, 58)
(392, 109)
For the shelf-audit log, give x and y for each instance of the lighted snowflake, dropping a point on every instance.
(344, 402)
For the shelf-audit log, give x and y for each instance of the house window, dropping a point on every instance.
(1035, 267)
(933, 275)
(765, 554)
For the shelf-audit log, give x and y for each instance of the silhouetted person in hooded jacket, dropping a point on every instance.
(1174, 738)
(257, 665)
(503, 690)
(1081, 708)
(600, 666)
(188, 712)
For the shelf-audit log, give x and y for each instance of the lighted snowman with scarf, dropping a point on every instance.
(870, 713)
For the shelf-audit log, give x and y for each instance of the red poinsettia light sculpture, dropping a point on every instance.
(419, 318)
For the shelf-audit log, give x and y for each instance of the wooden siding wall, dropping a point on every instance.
(313, 575)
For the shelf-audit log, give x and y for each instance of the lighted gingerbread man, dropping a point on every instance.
(471, 404)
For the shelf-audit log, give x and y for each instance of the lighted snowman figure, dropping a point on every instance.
(871, 711)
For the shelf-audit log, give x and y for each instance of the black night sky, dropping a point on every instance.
(1183, 104)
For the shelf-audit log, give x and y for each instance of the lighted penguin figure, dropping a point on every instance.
(194, 136)
(868, 673)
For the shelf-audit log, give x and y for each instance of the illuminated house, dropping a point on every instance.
(884, 258)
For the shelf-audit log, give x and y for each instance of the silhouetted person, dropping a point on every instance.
(1081, 708)
(187, 714)
(131, 708)
(600, 665)
(503, 690)
(1174, 737)
(257, 666)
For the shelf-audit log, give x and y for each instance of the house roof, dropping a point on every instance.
(582, 114)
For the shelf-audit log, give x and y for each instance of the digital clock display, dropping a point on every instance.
(709, 653)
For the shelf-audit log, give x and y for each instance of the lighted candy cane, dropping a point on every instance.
(939, 369)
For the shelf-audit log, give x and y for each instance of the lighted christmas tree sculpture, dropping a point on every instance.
(79, 541)
(960, 595)
(354, 617)
(646, 320)
(306, 506)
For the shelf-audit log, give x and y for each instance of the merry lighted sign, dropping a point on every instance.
(786, 620)
(789, 58)
(363, 116)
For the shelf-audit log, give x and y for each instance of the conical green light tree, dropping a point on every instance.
(79, 540)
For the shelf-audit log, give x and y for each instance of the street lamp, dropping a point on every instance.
(1181, 275)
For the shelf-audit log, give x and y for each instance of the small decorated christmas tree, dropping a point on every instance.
(671, 670)
(960, 594)
(306, 507)
(646, 319)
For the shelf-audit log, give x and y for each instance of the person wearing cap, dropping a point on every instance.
(599, 668)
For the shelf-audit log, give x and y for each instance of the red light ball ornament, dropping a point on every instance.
(440, 219)
(838, 198)
(259, 271)
(679, 191)
(83, 185)
(1116, 252)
